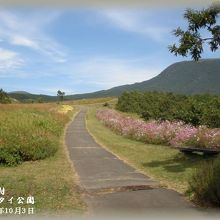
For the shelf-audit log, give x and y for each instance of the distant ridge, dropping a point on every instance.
(186, 77)
(28, 97)
(20, 92)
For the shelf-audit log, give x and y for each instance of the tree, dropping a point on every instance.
(60, 95)
(4, 98)
(191, 41)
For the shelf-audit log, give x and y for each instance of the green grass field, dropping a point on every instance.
(166, 165)
(52, 181)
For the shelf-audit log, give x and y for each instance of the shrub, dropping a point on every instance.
(10, 156)
(211, 113)
(29, 133)
(205, 183)
(195, 110)
(4, 98)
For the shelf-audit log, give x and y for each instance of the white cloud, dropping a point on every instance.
(136, 22)
(82, 73)
(96, 73)
(28, 31)
(9, 60)
(105, 72)
(24, 41)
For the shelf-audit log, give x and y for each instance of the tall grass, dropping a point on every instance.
(52, 181)
(205, 183)
(29, 132)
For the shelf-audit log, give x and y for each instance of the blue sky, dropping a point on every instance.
(84, 50)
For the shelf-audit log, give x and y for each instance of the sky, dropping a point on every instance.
(80, 50)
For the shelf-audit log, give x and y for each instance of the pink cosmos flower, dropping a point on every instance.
(169, 133)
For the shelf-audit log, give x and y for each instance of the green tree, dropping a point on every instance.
(4, 98)
(60, 95)
(191, 41)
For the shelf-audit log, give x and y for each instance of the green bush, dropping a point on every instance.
(196, 109)
(29, 134)
(10, 156)
(205, 183)
(211, 113)
(4, 98)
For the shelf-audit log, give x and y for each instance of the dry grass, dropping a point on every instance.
(92, 101)
(64, 109)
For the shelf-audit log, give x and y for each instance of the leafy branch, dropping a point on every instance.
(190, 41)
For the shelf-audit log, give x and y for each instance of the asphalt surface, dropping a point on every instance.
(112, 185)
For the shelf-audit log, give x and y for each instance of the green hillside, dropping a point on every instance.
(187, 77)
(28, 97)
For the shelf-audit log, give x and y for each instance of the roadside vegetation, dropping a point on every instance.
(144, 143)
(160, 132)
(194, 109)
(29, 132)
(205, 183)
(94, 101)
(32, 141)
(196, 175)
(167, 165)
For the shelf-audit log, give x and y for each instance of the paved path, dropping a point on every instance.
(109, 183)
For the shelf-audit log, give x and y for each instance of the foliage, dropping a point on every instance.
(29, 133)
(205, 183)
(60, 95)
(165, 132)
(173, 169)
(195, 110)
(191, 42)
(4, 98)
(52, 181)
(31, 98)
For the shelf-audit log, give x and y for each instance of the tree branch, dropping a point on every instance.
(208, 38)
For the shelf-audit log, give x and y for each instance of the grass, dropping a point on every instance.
(166, 165)
(29, 133)
(51, 181)
(64, 109)
(93, 101)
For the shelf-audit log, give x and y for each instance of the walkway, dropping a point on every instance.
(112, 185)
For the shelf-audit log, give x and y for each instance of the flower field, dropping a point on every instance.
(154, 132)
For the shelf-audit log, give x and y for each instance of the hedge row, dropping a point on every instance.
(195, 110)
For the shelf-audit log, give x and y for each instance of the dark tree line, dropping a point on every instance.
(195, 109)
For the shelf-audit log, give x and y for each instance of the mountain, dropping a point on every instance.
(186, 77)
(19, 92)
(28, 97)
